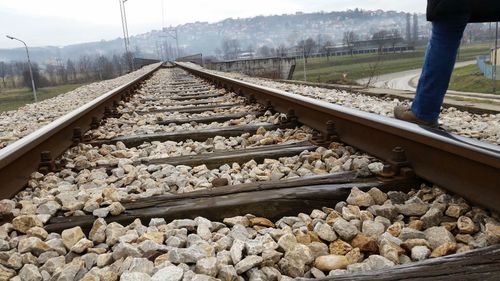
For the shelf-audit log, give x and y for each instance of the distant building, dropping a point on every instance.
(408, 27)
(415, 27)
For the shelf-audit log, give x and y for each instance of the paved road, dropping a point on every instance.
(402, 80)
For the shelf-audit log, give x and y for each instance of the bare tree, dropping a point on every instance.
(51, 71)
(40, 81)
(349, 39)
(230, 48)
(395, 38)
(307, 46)
(381, 38)
(3, 72)
(104, 68)
(85, 67)
(281, 51)
(373, 69)
(71, 70)
(264, 51)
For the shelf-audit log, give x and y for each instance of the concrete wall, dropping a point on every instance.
(275, 68)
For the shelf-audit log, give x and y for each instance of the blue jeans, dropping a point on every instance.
(439, 62)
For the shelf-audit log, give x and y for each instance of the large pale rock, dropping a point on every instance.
(331, 262)
(30, 272)
(48, 208)
(24, 222)
(247, 263)
(32, 245)
(71, 236)
(134, 276)
(169, 273)
(116, 208)
(81, 246)
(346, 230)
(373, 228)
(207, 266)
(237, 220)
(444, 249)
(378, 262)
(378, 196)
(237, 251)
(419, 253)
(437, 236)
(360, 198)
(6, 273)
(113, 233)
(227, 273)
(261, 222)
(325, 232)
(123, 250)
(339, 247)
(365, 243)
(287, 241)
(465, 225)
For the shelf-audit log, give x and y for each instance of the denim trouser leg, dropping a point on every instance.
(439, 62)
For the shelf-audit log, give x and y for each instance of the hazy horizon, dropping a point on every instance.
(61, 23)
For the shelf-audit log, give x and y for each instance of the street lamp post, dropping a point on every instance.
(29, 64)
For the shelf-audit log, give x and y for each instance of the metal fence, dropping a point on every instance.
(486, 68)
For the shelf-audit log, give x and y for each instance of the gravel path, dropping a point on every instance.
(18, 123)
(485, 127)
(368, 231)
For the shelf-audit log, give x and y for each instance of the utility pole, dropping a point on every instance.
(29, 65)
(126, 38)
(304, 58)
(174, 36)
(495, 57)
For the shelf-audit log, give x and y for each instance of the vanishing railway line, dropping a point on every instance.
(180, 143)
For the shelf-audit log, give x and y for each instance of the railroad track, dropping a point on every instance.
(180, 143)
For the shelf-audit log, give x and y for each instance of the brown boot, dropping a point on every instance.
(403, 112)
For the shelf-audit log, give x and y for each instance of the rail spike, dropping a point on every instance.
(94, 124)
(77, 136)
(398, 165)
(290, 121)
(47, 163)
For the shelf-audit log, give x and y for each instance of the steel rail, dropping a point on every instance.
(465, 166)
(21, 158)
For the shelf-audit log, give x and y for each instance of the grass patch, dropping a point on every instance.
(470, 79)
(332, 70)
(13, 99)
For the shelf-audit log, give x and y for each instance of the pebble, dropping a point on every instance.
(247, 263)
(360, 198)
(169, 273)
(24, 222)
(459, 122)
(420, 253)
(344, 229)
(437, 236)
(72, 236)
(25, 120)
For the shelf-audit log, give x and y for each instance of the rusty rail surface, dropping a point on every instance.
(23, 157)
(465, 166)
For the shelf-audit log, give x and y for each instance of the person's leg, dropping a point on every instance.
(438, 65)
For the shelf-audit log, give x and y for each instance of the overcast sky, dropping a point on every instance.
(64, 22)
